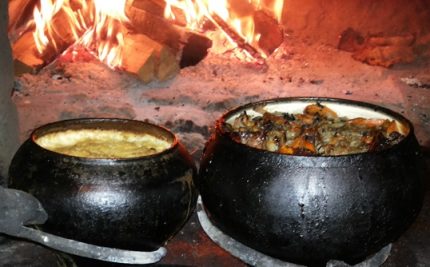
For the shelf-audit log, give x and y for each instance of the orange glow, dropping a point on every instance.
(95, 24)
(100, 25)
(237, 14)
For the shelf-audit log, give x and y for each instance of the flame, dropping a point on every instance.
(42, 17)
(100, 25)
(107, 32)
(196, 12)
(96, 24)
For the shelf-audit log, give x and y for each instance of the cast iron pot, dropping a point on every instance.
(135, 203)
(310, 209)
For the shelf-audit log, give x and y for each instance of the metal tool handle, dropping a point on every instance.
(18, 208)
(92, 251)
(255, 258)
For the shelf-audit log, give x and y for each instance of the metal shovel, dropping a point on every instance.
(18, 209)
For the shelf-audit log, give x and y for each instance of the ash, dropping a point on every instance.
(190, 103)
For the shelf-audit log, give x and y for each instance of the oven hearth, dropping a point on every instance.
(190, 103)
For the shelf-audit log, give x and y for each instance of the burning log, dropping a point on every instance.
(26, 57)
(157, 7)
(239, 40)
(192, 47)
(19, 13)
(271, 34)
(62, 36)
(148, 59)
(160, 51)
(157, 27)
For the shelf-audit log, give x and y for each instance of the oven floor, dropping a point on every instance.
(190, 103)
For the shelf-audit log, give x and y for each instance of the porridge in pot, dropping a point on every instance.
(97, 143)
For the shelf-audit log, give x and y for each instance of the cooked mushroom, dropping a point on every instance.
(317, 131)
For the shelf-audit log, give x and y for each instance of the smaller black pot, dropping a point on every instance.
(135, 203)
(312, 209)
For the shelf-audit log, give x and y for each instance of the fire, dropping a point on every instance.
(236, 14)
(107, 31)
(101, 25)
(96, 24)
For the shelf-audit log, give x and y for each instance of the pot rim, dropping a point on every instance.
(93, 121)
(383, 110)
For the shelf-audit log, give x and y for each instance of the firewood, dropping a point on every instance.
(167, 64)
(62, 36)
(20, 11)
(271, 33)
(26, 58)
(239, 40)
(191, 46)
(148, 59)
(141, 61)
(157, 7)
(154, 26)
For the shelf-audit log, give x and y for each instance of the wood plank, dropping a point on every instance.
(139, 58)
(148, 59)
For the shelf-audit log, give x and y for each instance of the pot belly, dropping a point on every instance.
(306, 214)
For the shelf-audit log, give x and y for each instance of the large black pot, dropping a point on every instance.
(310, 209)
(135, 203)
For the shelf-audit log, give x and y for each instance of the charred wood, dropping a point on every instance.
(271, 33)
(239, 40)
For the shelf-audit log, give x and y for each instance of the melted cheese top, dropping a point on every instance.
(95, 143)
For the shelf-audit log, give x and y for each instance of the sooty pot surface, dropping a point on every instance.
(310, 209)
(131, 203)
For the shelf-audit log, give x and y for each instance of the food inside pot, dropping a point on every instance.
(97, 143)
(318, 130)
